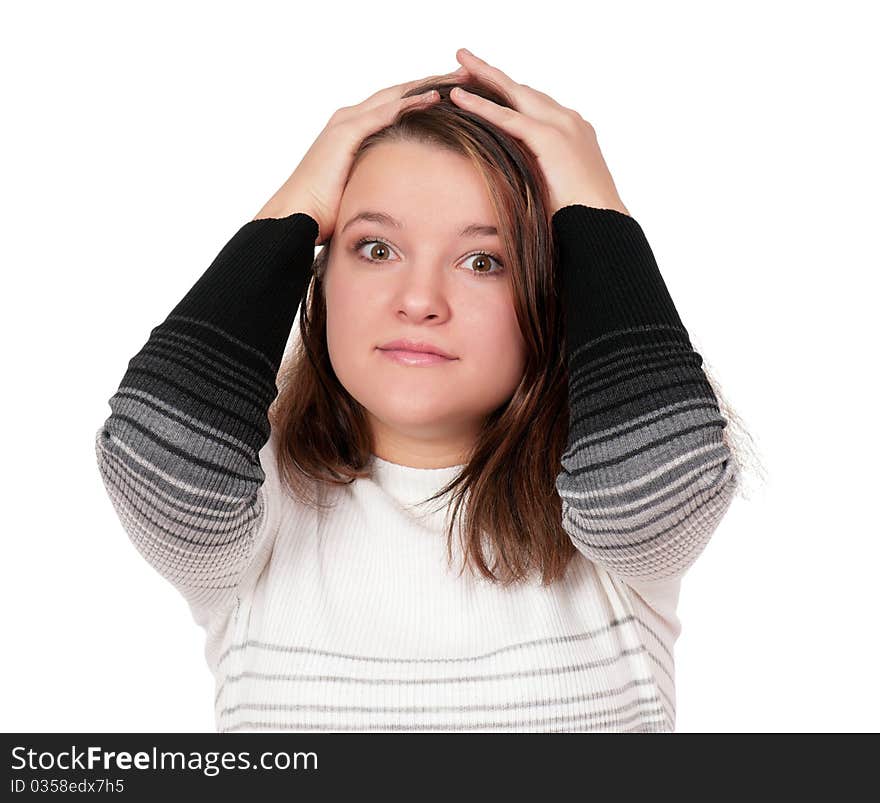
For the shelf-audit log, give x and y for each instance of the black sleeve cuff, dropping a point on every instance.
(609, 276)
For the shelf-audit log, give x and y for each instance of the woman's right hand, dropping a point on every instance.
(316, 186)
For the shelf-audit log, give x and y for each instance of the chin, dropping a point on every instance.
(411, 415)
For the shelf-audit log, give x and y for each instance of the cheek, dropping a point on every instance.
(349, 330)
(494, 344)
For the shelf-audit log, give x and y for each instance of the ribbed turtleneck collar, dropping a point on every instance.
(411, 485)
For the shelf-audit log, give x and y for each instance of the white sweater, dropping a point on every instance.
(352, 618)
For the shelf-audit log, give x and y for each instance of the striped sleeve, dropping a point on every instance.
(646, 475)
(180, 452)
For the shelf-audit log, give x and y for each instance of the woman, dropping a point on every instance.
(485, 326)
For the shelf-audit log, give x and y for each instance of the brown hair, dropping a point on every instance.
(513, 508)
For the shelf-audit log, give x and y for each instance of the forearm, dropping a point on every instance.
(646, 475)
(179, 453)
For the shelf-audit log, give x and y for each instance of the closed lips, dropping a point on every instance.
(419, 347)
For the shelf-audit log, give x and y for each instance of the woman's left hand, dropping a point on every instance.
(564, 143)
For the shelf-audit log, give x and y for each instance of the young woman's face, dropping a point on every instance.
(424, 283)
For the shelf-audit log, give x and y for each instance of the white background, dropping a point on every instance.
(139, 137)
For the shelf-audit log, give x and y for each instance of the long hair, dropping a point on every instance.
(506, 490)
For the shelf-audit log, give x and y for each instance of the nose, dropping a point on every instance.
(422, 293)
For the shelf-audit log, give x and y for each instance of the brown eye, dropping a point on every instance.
(482, 264)
(378, 251)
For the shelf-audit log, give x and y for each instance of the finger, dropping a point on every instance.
(513, 121)
(410, 86)
(379, 116)
(526, 99)
(389, 94)
(482, 68)
(397, 90)
(457, 72)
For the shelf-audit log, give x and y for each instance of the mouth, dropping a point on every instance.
(405, 357)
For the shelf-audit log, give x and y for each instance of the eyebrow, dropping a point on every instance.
(472, 230)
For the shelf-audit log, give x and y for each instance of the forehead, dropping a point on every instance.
(420, 186)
